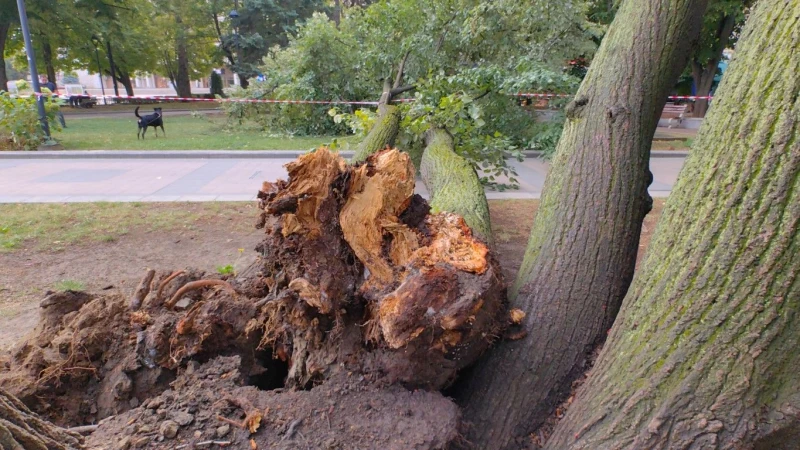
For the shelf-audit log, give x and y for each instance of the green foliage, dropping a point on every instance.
(225, 270)
(20, 128)
(464, 56)
(261, 26)
(216, 85)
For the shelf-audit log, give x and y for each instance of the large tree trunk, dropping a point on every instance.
(4, 26)
(112, 68)
(453, 183)
(183, 84)
(703, 72)
(583, 245)
(125, 79)
(47, 55)
(20, 429)
(704, 353)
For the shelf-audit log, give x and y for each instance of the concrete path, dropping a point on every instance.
(141, 179)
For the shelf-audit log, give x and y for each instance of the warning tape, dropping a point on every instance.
(330, 102)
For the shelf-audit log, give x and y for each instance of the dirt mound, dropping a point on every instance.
(207, 407)
(358, 290)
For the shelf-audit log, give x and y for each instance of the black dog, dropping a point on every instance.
(154, 120)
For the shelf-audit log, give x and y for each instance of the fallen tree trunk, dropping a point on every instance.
(387, 125)
(585, 237)
(382, 134)
(704, 352)
(453, 184)
(21, 429)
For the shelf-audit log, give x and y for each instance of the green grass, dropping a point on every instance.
(225, 270)
(183, 133)
(57, 226)
(69, 285)
(101, 109)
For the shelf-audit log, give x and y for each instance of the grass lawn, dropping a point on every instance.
(672, 145)
(55, 226)
(168, 106)
(200, 132)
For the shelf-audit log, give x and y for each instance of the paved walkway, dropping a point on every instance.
(197, 178)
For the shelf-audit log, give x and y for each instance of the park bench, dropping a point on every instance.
(674, 113)
(74, 93)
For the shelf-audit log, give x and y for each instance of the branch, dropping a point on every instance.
(399, 90)
(400, 71)
(488, 91)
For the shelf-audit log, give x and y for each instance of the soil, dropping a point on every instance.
(207, 406)
(113, 267)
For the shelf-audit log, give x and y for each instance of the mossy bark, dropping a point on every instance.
(583, 245)
(704, 353)
(453, 184)
(20, 429)
(382, 135)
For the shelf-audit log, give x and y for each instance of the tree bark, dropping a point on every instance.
(112, 68)
(125, 79)
(47, 55)
(387, 125)
(4, 26)
(21, 429)
(453, 183)
(183, 85)
(704, 353)
(583, 245)
(382, 135)
(703, 72)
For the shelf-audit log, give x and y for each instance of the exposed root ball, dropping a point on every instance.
(346, 267)
(355, 279)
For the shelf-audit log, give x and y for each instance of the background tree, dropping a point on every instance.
(582, 249)
(703, 354)
(188, 50)
(260, 26)
(723, 19)
(8, 17)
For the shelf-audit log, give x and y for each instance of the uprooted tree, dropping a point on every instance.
(358, 287)
(703, 354)
(362, 291)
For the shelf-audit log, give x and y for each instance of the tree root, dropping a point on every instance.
(166, 281)
(21, 429)
(193, 285)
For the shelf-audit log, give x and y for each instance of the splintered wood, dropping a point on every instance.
(360, 250)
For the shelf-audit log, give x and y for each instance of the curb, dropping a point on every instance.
(218, 154)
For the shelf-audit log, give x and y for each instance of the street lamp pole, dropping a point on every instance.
(26, 34)
(235, 15)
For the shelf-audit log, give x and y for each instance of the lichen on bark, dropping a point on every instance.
(704, 354)
(453, 183)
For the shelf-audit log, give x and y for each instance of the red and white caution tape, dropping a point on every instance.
(332, 102)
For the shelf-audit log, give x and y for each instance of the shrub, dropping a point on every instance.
(20, 128)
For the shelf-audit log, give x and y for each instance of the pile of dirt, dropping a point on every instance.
(359, 294)
(207, 406)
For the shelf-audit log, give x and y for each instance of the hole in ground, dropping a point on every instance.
(267, 373)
